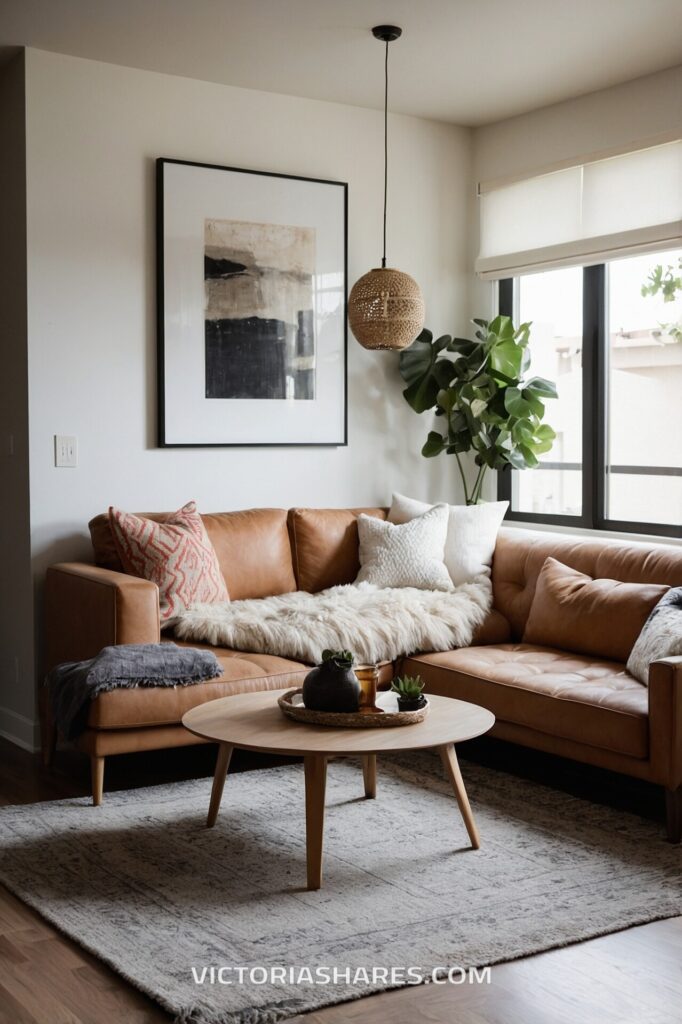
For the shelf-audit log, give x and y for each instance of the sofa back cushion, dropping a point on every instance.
(252, 548)
(325, 545)
(521, 554)
(601, 617)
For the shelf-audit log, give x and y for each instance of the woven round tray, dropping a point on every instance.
(348, 720)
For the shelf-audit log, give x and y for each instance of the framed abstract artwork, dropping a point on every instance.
(251, 293)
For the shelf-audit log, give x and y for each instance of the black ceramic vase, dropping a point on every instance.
(332, 685)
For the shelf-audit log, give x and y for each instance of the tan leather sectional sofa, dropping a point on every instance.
(573, 705)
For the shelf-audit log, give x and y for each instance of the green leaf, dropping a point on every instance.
(464, 347)
(435, 444)
(506, 357)
(528, 456)
(459, 443)
(541, 447)
(522, 431)
(515, 403)
(424, 372)
(446, 399)
(525, 360)
(516, 459)
(457, 421)
(535, 405)
(502, 327)
(522, 335)
(503, 377)
(541, 388)
(544, 432)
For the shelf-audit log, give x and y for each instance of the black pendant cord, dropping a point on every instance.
(383, 258)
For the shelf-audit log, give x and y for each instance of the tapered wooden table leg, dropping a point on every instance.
(222, 764)
(315, 785)
(97, 776)
(451, 764)
(369, 771)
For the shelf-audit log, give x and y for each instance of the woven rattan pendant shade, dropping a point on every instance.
(386, 306)
(386, 309)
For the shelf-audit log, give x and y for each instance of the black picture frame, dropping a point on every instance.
(163, 440)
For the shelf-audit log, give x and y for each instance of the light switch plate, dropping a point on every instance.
(65, 451)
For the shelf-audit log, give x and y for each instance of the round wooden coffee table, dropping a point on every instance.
(253, 721)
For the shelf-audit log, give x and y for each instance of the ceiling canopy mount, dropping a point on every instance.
(387, 33)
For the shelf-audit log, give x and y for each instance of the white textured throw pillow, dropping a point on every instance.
(405, 556)
(661, 636)
(471, 536)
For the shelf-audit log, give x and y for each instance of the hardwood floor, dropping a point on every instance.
(632, 977)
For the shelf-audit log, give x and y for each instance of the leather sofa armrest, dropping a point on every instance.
(88, 608)
(665, 720)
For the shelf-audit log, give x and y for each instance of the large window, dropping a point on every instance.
(611, 337)
(553, 301)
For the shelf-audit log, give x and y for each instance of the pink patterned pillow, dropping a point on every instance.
(176, 554)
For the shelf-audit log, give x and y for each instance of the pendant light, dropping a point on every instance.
(386, 307)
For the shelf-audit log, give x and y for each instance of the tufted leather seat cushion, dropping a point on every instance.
(569, 695)
(243, 672)
(162, 705)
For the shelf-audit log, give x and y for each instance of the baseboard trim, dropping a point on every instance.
(19, 729)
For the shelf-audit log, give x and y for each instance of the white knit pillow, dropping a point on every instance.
(405, 556)
(471, 537)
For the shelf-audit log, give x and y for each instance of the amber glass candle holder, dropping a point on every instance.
(368, 677)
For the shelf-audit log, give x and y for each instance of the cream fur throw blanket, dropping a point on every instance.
(375, 624)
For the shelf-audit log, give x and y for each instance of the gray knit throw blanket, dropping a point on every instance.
(74, 684)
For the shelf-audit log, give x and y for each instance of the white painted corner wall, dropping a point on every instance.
(93, 133)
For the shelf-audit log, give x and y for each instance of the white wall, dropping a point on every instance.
(16, 597)
(93, 132)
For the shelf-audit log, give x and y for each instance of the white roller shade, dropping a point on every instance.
(584, 214)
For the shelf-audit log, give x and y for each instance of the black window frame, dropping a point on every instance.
(594, 422)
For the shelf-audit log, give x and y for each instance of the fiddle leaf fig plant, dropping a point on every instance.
(482, 392)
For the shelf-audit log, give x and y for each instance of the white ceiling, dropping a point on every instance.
(466, 61)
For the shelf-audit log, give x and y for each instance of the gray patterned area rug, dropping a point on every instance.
(141, 883)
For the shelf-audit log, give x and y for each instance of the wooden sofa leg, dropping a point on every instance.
(97, 772)
(673, 808)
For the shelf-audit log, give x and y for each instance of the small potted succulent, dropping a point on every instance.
(409, 691)
(332, 685)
